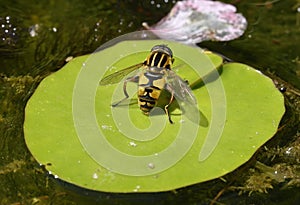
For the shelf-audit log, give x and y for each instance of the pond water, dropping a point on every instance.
(37, 37)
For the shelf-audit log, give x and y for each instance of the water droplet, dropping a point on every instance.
(288, 151)
(95, 176)
(132, 144)
(106, 127)
(137, 188)
(151, 165)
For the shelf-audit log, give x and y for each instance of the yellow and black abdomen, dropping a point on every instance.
(152, 81)
(150, 87)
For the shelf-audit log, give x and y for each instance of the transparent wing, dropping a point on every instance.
(183, 95)
(119, 75)
(181, 89)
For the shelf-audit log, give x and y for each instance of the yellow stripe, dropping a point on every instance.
(162, 57)
(153, 59)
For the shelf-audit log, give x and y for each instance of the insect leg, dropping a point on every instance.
(167, 106)
(134, 79)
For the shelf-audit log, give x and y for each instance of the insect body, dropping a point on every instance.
(155, 76)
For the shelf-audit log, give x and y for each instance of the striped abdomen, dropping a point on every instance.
(150, 87)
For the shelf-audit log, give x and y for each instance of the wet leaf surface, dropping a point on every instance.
(253, 105)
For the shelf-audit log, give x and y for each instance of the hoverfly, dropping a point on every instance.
(154, 76)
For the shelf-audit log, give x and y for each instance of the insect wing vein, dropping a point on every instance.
(183, 95)
(119, 75)
(181, 89)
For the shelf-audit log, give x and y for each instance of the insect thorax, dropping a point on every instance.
(159, 60)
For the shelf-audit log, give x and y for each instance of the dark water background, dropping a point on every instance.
(73, 28)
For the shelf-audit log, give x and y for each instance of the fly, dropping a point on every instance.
(154, 76)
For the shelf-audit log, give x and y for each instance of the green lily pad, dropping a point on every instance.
(71, 128)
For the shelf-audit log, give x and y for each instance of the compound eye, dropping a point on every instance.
(155, 48)
(163, 49)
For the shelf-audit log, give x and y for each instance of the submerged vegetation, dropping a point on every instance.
(38, 37)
